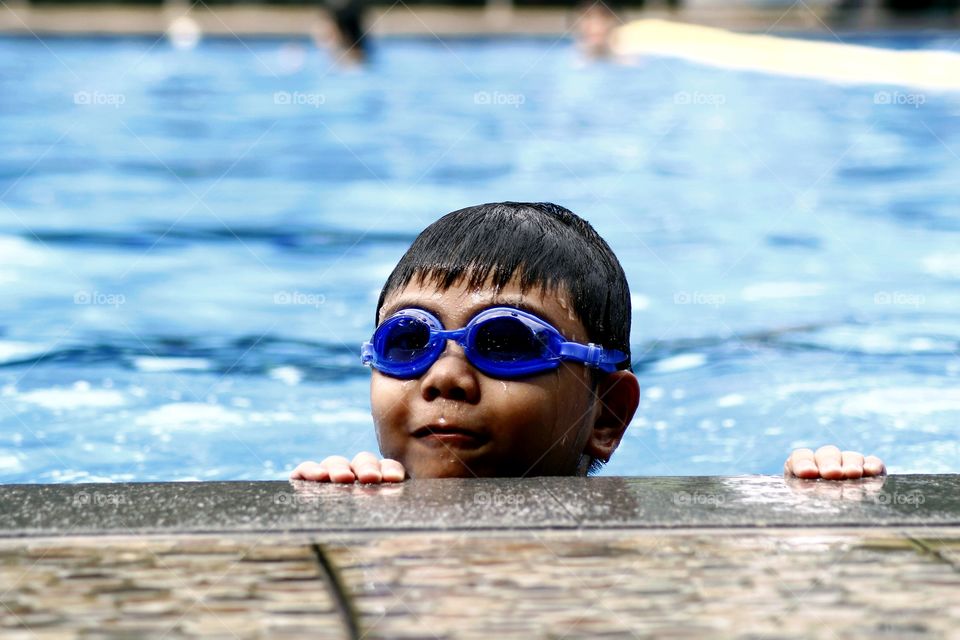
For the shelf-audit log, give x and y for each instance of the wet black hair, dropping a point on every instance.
(541, 244)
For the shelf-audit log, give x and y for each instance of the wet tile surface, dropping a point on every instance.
(147, 588)
(535, 558)
(535, 503)
(647, 584)
(278, 506)
(757, 501)
(640, 583)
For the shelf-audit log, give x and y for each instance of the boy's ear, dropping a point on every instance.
(619, 396)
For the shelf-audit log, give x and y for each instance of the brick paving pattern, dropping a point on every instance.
(722, 583)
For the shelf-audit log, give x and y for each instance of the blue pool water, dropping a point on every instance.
(192, 242)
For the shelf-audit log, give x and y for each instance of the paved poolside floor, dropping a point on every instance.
(743, 557)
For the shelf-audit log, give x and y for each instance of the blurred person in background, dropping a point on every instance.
(594, 23)
(342, 32)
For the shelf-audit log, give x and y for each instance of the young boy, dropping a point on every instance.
(503, 349)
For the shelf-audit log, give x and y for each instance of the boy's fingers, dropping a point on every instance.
(852, 462)
(392, 470)
(339, 469)
(829, 462)
(366, 466)
(801, 464)
(297, 473)
(310, 470)
(873, 466)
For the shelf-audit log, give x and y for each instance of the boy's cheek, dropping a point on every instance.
(390, 404)
(387, 395)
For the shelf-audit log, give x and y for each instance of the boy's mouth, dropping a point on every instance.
(450, 436)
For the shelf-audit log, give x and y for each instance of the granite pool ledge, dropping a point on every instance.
(675, 557)
(453, 504)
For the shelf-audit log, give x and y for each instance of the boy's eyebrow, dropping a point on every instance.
(508, 301)
(516, 302)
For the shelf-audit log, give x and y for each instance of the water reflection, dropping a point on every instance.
(850, 490)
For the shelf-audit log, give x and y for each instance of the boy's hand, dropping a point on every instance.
(365, 468)
(830, 463)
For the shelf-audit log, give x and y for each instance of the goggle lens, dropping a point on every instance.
(506, 340)
(405, 340)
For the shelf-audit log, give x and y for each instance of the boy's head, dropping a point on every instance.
(454, 420)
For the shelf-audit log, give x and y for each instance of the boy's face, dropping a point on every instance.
(454, 421)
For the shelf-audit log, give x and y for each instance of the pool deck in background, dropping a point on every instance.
(402, 19)
(679, 557)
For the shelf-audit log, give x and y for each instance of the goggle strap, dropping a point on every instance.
(592, 355)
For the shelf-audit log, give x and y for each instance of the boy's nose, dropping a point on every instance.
(451, 377)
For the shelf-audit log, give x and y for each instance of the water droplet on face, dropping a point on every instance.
(442, 421)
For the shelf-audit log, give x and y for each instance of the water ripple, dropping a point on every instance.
(305, 240)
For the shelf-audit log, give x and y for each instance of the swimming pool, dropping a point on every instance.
(192, 242)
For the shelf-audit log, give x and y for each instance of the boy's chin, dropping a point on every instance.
(447, 468)
(443, 469)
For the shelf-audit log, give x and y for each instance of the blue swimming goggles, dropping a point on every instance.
(502, 342)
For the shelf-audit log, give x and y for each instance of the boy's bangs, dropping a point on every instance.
(502, 246)
(479, 274)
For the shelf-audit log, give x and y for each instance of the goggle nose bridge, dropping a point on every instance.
(441, 336)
